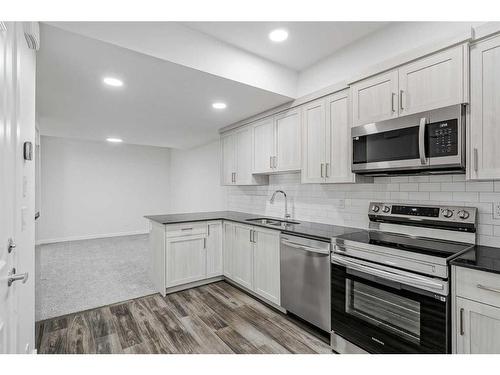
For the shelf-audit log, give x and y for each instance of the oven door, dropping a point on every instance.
(382, 313)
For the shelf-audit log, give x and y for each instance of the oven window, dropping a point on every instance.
(401, 144)
(390, 312)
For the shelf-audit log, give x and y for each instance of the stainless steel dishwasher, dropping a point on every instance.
(305, 279)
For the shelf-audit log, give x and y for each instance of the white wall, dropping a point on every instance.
(195, 179)
(382, 45)
(92, 189)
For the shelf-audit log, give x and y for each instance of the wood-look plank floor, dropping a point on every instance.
(215, 318)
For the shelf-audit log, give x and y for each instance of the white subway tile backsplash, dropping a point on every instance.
(347, 204)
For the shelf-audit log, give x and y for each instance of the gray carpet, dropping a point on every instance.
(80, 275)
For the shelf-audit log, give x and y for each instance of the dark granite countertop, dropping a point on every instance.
(483, 258)
(304, 228)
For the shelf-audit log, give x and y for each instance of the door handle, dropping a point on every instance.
(13, 276)
(488, 288)
(321, 170)
(275, 158)
(476, 160)
(326, 170)
(11, 246)
(205, 243)
(401, 92)
(393, 95)
(461, 322)
(271, 162)
(421, 140)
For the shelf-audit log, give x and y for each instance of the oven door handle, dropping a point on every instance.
(409, 280)
(305, 247)
(421, 140)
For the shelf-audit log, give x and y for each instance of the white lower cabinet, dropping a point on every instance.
(228, 235)
(266, 264)
(242, 254)
(214, 249)
(476, 317)
(186, 260)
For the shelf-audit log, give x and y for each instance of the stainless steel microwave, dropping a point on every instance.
(427, 142)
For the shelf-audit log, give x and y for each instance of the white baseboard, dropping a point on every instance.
(89, 237)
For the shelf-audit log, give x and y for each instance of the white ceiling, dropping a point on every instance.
(161, 103)
(308, 42)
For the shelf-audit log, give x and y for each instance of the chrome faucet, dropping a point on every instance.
(287, 215)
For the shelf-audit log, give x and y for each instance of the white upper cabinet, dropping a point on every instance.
(432, 82)
(287, 130)
(264, 146)
(338, 137)
(435, 81)
(326, 140)
(313, 142)
(484, 129)
(267, 264)
(237, 150)
(375, 99)
(214, 249)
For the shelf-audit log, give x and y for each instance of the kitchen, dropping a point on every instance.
(355, 210)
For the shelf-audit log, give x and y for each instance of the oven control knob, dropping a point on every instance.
(447, 213)
(375, 208)
(386, 209)
(463, 214)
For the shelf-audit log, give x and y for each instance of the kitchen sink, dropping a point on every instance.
(273, 222)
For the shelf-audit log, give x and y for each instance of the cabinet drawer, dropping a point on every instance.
(186, 229)
(478, 286)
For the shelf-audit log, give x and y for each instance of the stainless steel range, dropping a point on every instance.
(390, 284)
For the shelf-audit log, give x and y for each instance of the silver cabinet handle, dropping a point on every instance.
(461, 322)
(271, 162)
(488, 288)
(401, 92)
(393, 95)
(250, 232)
(253, 237)
(326, 170)
(13, 276)
(421, 140)
(11, 245)
(191, 228)
(476, 160)
(275, 158)
(321, 170)
(305, 248)
(205, 243)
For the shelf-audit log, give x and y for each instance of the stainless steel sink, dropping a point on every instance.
(273, 222)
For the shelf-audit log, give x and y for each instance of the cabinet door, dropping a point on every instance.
(186, 260)
(313, 142)
(288, 132)
(242, 253)
(244, 156)
(375, 99)
(267, 264)
(432, 82)
(338, 136)
(478, 327)
(263, 150)
(228, 159)
(228, 243)
(214, 250)
(485, 110)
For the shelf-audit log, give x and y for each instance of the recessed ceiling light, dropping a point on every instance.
(219, 105)
(110, 81)
(114, 140)
(278, 35)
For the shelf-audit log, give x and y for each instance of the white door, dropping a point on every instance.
(214, 250)
(432, 82)
(267, 264)
(313, 142)
(228, 249)
(228, 159)
(375, 99)
(244, 156)
(338, 136)
(485, 110)
(186, 260)
(263, 150)
(17, 125)
(288, 133)
(478, 327)
(242, 254)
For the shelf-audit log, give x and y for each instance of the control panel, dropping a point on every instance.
(443, 138)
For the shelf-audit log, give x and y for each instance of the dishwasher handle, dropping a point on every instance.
(305, 247)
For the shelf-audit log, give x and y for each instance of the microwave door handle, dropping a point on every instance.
(384, 274)
(421, 140)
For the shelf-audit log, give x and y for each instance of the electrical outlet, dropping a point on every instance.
(496, 210)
